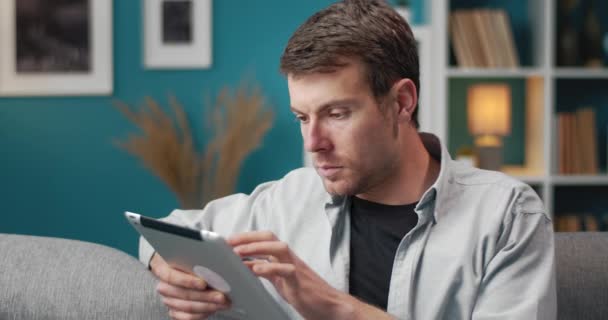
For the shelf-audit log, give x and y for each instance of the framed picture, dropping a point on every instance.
(177, 33)
(59, 47)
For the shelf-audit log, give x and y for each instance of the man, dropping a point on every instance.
(388, 226)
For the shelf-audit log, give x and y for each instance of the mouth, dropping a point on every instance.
(328, 171)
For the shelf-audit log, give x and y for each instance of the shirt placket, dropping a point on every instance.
(339, 250)
(403, 278)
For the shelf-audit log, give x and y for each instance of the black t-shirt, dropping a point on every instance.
(376, 231)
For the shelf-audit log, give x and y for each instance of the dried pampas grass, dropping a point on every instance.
(238, 120)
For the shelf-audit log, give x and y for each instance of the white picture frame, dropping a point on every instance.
(193, 53)
(96, 78)
(426, 110)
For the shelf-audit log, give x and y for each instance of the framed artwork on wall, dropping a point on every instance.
(60, 47)
(177, 34)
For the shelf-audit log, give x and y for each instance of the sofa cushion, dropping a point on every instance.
(51, 278)
(582, 275)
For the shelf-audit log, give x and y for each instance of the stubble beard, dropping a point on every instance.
(360, 184)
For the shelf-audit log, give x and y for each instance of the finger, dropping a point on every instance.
(251, 263)
(277, 249)
(171, 291)
(252, 236)
(179, 278)
(193, 306)
(270, 270)
(178, 315)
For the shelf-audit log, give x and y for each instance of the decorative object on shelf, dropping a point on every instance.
(591, 37)
(466, 155)
(55, 47)
(567, 35)
(238, 119)
(403, 8)
(489, 119)
(177, 33)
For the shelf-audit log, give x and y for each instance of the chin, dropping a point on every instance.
(338, 188)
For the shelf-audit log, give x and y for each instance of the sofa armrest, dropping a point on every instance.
(582, 274)
(52, 278)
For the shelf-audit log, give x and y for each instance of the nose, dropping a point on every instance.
(315, 137)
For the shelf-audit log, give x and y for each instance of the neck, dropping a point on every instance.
(414, 173)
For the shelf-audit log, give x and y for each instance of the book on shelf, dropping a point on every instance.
(577, 142)
(460, 47)
(561, 143)
(576, 222)
(567, 223)
(483, 38)
(508, 40)
(467, 47)
(590, 223)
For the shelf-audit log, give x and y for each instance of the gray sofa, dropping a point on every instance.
(50, 278)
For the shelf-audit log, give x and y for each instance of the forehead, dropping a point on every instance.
(314, 90)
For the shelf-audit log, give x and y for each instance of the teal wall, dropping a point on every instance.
(60, 174)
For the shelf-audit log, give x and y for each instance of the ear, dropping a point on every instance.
(406, 98)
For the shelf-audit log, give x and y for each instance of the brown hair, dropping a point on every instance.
(368, 30)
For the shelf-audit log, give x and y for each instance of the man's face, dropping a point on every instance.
(352, 142)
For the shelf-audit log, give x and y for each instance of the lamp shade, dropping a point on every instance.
(489, 109)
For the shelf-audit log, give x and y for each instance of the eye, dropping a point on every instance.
(300, 118)
(338, 115)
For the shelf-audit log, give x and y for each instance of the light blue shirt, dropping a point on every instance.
(482, 249)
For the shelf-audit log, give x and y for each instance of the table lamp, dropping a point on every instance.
(489, 119)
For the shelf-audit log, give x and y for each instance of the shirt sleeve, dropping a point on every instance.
(519, 281)
(226, 216)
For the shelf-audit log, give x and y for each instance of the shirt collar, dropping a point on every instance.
(440, 187)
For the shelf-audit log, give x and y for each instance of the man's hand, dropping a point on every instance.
(186, 295)
(306, 291)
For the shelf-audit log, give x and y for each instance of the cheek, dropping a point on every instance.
(369, 143)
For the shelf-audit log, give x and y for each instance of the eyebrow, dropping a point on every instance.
(331, 104)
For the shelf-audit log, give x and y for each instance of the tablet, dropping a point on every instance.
(207, 255)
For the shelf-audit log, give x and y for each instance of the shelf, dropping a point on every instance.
(527, 175)
(532, 180)
(580, 180)
(581, 73)
(494, 73)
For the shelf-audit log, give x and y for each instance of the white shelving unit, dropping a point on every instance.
(540, 80)
(494, 73)
(580, 73)
(583, 180)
